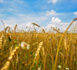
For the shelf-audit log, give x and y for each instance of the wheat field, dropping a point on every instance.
(38, 51)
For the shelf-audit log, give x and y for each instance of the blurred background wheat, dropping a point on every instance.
(52, 50)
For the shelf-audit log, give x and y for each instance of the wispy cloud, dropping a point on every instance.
(52, 13)
(25, 12)
(52, 1)
(75, 13)
(1, 1)
(42, 19)
(24, 20)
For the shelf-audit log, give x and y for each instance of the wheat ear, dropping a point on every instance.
(7, 64)
(37, 53)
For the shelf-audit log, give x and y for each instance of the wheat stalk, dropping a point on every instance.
(61, 42)
(65, 43)
(1, 41)
(36, 24)
(57, 30)
(44, 57)
(7, 64)
(37, 53)
(6, 28)
(15, 28)
(43, 30)
(3, 24)
(38, 50)
(70, 24)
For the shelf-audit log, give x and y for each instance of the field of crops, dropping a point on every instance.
(38, 51)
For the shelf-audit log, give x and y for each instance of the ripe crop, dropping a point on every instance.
(41, 51)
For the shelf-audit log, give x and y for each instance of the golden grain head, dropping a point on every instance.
(36, 24)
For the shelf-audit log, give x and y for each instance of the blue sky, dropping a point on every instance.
(46, 13)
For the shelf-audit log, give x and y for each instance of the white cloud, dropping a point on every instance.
(52, 1)
(22, 23)
(75, 13)
(56, 22)
(1, 1)
(52, 13)
(23, 20)
(12, 22)
(41, 19)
